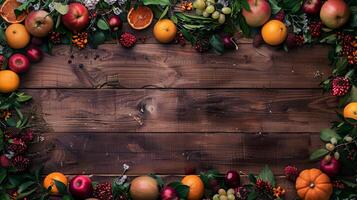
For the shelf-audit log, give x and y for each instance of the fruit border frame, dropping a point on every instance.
(204, 33)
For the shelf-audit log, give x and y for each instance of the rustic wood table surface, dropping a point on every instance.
(162, 108)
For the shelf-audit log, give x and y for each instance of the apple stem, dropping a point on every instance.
(234, 42)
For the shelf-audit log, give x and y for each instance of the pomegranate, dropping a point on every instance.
(144, 188)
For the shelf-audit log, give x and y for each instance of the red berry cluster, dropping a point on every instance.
(180, 39)
(338, 184)
(263, 186)
(291, 173)
(202, 46)
(340, 86)
(315, 29)
(103, 191)
(280, 16)
(127, 40)
(16, 141)
(349, 47)
(55, 37)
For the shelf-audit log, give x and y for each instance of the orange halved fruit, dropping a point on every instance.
(7, 12)
(140, 18)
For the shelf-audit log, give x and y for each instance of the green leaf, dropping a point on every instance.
(11, 122)
(319, 153)
(252, 178)
(330, 39)
(62, 189)
(275, 8)
(59, 7)
(3, 174)
(267, 175)
(182, 191)
(103, 25)
(245, 5)
(252, 196)
(4, 196)
(24, 186)
(25, 194)
(22, 97)
(97, 39)
(156, 2)
(217, 44)
(164, 13)
(327, 134)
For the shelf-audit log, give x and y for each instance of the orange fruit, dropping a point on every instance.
(140, 18)
(9, 81)
(196, 186)
(7, 11)
(17, 36)
(165, 31)
(48, 181)
(350, 111)
(274, 32)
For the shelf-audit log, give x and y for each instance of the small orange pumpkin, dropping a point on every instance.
(312, 184)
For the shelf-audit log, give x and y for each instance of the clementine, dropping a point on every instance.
(9, 81)
(7, 12)
(165, 31)
(350, 111)
(17, 36)
(274, 32)
(140, 18)
(196, 186)
(49, 181)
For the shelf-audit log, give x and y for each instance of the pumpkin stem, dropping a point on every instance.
(312, 185)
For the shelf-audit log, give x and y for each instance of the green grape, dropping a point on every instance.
(231, 197)
(205, 14)
(200, 4)
(222, 19)
(222, 192)
(212, 1)
(223, 197)
(230, 191)
(216, 197)
(226, 10)
(210, 9)
(215, 15)
(199, 12)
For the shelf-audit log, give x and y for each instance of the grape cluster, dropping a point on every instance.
(225, 195)
(209, 8)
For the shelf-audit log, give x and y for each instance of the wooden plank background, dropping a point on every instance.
(162, 108)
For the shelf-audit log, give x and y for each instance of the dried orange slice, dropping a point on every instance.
(7, 11)
(140, 18)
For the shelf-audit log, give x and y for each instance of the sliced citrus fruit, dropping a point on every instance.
(7, 11)
(140, 18)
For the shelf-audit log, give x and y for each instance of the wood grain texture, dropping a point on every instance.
(172, 66)
(245, 110)
(171, 153)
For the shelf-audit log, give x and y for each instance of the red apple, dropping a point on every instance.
(77, 17)
(330, 166)
(81, 187)
(4, 161)
(334, 13)
(115, 23)
(39, 23)
(259, 13)
(169, 193)
(34, 54)
(312, 7)
(232, 179)
(19, 63)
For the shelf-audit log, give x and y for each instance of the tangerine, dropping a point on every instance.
(196, 186)
(140, 18)
(165, 31)
(49, 181)
(17, 36)
(274, 32)
(7, 11)
(350, 111)
(9, 81)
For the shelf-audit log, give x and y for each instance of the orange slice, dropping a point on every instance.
(7, 11)
(140, 18)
